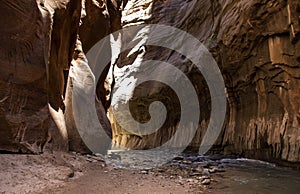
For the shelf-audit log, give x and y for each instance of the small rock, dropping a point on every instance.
(190, 180)
(178, 158)
(100, 156)
(205, 172)
(96, 158)
(180, 182)
(205, 182)
(195, 174)
(203, 178)
(145, 172)
(161, 170)
(213, 170)
(71, 174)
(187, 162)
(90, 160)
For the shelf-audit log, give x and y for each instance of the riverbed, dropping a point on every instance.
(214, 173)
(130, 172)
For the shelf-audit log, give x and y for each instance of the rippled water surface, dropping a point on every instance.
(241, 176)
(250, 176)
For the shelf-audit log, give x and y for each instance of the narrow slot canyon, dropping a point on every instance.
(150, 96)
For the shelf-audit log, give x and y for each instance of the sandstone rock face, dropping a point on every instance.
(38, 40)
(24, 116)
(99, 19)
(256, 45)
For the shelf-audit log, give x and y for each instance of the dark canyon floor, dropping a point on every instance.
(74, 173)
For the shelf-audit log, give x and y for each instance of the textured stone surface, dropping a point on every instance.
(255, 44)
(37, 44)
(99, 19)
(24, 114)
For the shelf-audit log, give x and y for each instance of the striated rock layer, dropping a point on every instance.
(38, 41)
(25, 83)
(256, 45)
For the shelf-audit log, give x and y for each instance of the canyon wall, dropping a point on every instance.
(40, 41)
(256, 46)
(29, 77)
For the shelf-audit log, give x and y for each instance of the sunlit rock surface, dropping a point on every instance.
(255, 44)
(38, 40)
(30, 78)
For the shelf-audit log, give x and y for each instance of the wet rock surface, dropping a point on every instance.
(72, 173)
(193, 172)
(214, 173)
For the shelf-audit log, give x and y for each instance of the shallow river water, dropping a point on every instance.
(236, 176)
(250, 176)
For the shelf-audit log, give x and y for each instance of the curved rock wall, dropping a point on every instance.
(256, 45)
(37, 43)
(24, 44)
